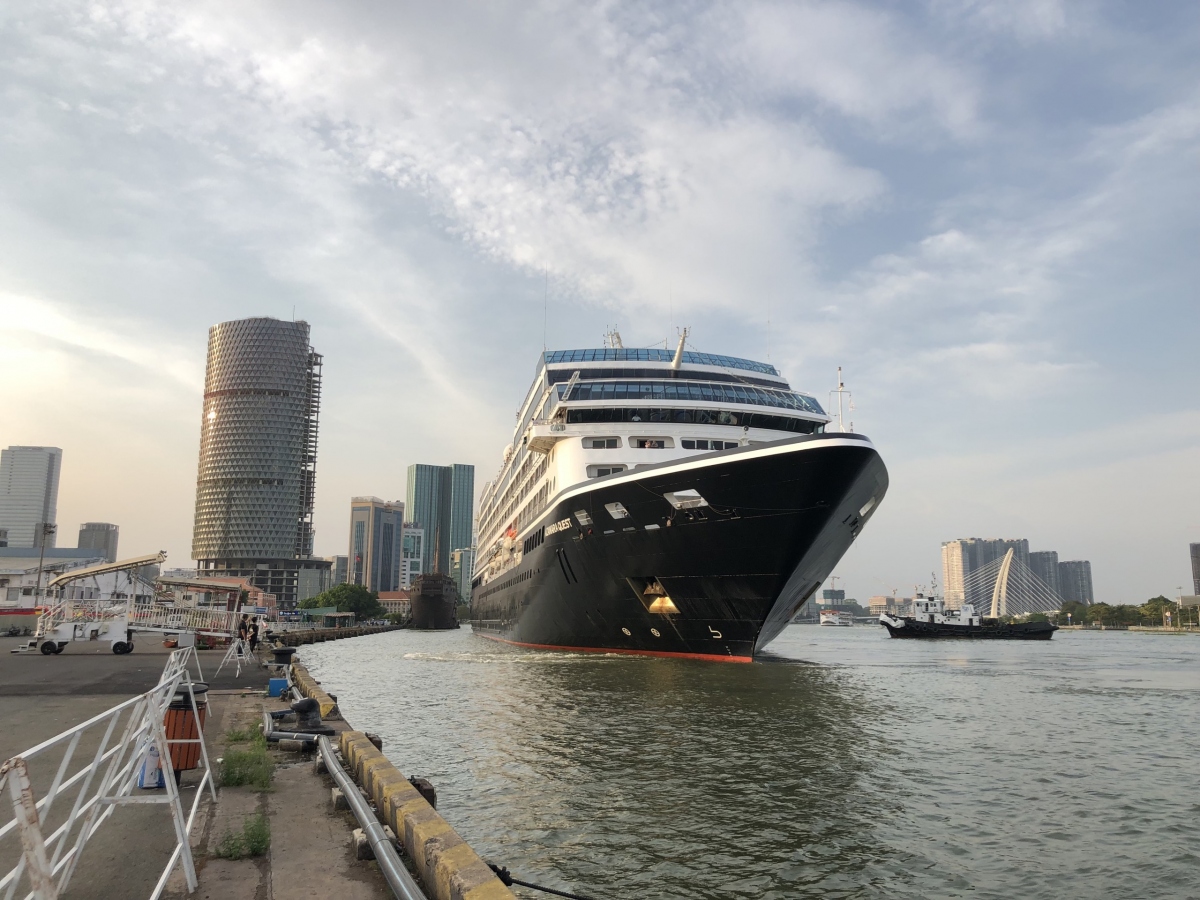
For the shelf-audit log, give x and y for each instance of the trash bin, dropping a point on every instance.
(183, 735)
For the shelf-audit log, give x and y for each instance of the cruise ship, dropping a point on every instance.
(665, 503)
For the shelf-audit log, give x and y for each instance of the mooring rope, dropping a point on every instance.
(503, 874)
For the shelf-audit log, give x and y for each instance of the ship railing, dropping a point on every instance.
(98, 767)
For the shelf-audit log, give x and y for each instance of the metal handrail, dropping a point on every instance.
(113, 769)
(398, 878)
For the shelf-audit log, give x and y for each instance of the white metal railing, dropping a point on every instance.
(152, 616)
(100, 781)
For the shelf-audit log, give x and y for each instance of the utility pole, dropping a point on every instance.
(46, 530)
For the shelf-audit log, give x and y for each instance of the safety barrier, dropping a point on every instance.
(309, 688)
(449, 868)
(105, 779)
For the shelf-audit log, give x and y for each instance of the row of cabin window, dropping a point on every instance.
(656, 443)
(602, 414)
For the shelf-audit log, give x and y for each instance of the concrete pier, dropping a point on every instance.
(312, 852)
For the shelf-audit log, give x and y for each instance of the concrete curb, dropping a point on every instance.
(309, 688)
(449, 868)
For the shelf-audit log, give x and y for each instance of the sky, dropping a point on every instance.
(986, 213)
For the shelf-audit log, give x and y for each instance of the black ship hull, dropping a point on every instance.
(1016, 631)
(733, 573)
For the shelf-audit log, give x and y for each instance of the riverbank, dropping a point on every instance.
(273, 830)
(310, 850)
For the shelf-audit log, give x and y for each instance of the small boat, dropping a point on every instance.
(833, 617)
(931, 619)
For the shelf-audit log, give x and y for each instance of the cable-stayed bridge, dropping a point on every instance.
(1008, 587)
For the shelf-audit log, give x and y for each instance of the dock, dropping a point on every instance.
(318, 845)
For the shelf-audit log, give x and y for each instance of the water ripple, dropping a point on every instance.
(844, 765)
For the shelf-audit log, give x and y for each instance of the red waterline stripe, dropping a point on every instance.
(671, 654)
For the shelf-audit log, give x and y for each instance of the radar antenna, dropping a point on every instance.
(612, 339)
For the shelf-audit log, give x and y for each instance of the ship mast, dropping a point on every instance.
(842, 395)
(678, 360)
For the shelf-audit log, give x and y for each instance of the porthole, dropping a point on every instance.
(626, 632)
(654, 631)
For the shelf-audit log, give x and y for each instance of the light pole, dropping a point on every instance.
(46, 530)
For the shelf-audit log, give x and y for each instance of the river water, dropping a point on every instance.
(845, 764)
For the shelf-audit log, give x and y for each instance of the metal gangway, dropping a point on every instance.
(65, 619)
(117, 619)
(96, 767)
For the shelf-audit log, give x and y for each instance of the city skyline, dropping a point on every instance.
(983, 212)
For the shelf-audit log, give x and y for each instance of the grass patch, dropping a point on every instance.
(241, 735)
(252, 766)
(254, 840)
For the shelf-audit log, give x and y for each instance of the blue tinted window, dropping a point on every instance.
(691, 356)
(670, 390)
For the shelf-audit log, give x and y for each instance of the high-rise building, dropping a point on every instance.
(258, 457)
(462, 564)
(441, 499)
(1044, 564)
(376, 531)
(1195, 549)
(29, 493)
(1075, 581)
(100, 536)
(412, 553)
(341, 568)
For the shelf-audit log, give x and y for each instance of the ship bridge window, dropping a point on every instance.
(701, 444)
(602, 443)
(652, 443)
(692, 390)
(601, 471)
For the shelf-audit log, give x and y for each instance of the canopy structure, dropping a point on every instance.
(202, 584)
(121, 565)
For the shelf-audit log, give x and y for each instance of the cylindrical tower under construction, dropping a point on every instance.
(258, 449)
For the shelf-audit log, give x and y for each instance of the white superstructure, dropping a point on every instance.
(596, 413)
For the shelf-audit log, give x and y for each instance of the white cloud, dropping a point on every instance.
(862, 63)
(891, 180)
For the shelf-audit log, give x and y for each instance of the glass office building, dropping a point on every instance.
(29, 493)
(376, 553)
(441, 500)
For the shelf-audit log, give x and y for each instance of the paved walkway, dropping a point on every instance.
(311, 852)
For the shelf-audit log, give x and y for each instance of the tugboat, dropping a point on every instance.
(931, 619)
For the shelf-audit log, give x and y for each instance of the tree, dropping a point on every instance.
(1078, 611)
(1154, 608)
(348, 598)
